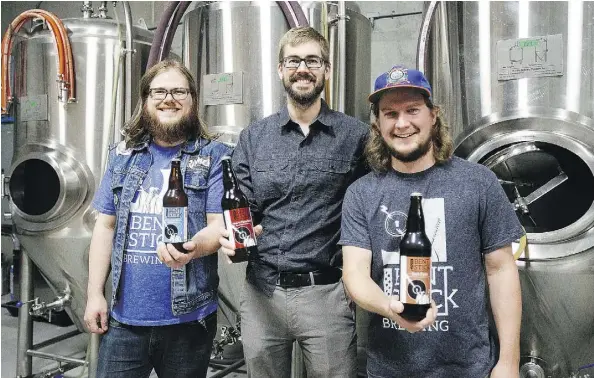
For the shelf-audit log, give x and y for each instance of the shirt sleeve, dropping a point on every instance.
(499, 224)
(241, 166)
(104, 199)
(355, 230)
(215, 182)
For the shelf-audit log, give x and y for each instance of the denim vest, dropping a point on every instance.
(195, 283)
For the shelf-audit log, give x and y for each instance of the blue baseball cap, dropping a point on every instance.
(399, 77)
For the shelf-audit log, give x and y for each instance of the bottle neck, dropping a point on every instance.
(175, 178)
(415, 221)
(229, 179)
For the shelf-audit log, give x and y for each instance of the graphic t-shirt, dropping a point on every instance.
(467, 215)
(145, 283)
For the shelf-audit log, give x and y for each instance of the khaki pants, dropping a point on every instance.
(319, 317)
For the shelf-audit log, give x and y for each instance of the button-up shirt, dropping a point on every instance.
(295, 184)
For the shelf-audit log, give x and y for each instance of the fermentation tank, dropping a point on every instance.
(516, 81)
(61, 149)
(232, 49)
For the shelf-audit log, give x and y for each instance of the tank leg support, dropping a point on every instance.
(93, 356)
(25, 331)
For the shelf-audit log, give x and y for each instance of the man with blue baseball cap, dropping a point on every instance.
(470, 224)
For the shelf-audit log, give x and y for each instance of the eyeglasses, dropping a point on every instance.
(161, 93)
(311, 62)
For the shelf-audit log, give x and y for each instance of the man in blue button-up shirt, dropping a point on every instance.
(295, 167)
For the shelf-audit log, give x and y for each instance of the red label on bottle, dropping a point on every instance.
(240, 226)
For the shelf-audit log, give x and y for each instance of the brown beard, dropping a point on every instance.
(414, 155)
(170, 133)
(307, 99)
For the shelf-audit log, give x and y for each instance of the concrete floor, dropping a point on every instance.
(73, 347)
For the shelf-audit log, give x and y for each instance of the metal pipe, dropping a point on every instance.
(55, 371)
(87, 9)
(129, 51)
(56, 339)
(341, 56)
(25, 330)
(228, 370)
(93, 354)
(103, 9)
(55, 357)
(57, 305)
(423, 45)
(390, 15)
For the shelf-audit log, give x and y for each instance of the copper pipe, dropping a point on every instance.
(65, 57)
(14, 27)
(71, 79)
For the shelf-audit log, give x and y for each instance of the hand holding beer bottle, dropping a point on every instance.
(237, 215)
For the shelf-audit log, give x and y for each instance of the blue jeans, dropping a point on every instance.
(174, 351)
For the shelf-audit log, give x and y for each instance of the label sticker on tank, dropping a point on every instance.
(537, 56)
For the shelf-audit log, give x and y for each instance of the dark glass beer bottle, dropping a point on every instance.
(415, 263)
(175, 209)
(238, 218)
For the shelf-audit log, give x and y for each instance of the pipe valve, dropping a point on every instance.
(57, 305)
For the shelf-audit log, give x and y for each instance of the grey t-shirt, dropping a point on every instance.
(467, 215)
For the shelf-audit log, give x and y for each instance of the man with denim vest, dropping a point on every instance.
(164, 302)
(294, 166)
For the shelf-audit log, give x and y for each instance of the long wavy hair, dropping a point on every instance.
(135, 130)
(378, 156)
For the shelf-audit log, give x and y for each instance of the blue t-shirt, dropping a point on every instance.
(467, 215)
(145, 286)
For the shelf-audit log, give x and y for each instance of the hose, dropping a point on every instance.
(159, 34)
(171, 29)
(293, 13)
(299, 15)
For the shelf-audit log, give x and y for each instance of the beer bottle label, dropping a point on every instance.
(415, 280)
(240, 226)
(175, 224)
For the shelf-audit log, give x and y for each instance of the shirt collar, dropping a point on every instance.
(324, 121)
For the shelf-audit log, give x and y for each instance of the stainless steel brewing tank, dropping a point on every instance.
(516, 80)
(232, 49)
(60, 149)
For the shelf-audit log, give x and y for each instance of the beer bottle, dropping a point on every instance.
(237, 215)
(415, 264)
(175, 209)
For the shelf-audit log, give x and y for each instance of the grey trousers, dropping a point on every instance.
(319, 317)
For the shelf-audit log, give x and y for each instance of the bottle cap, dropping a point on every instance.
(226, 157)
(416, 194)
